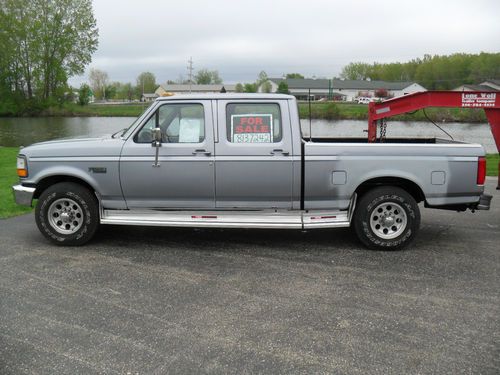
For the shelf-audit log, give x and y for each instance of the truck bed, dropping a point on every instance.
(444, 171)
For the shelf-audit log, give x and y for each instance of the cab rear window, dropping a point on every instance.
(253, 123)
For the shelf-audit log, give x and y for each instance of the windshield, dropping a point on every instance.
(131, 126)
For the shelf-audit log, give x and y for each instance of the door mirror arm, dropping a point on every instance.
(156, 135)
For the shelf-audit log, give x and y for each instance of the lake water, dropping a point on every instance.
(25, 131)
(465, 132)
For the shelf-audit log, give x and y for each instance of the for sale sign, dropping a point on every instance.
(252, 128)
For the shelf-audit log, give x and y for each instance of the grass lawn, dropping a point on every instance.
(492, 164)
(351, 111)
(105, 110)
(8, 177)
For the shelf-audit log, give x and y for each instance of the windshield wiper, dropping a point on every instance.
(122, 131)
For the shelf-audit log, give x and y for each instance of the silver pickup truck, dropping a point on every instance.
(239, 160)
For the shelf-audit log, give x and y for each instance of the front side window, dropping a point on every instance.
(179, 123)
(253, 123)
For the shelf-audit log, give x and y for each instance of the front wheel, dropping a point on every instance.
(67, 214)
(386, 218)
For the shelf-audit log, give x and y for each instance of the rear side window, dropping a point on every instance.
(253, 123)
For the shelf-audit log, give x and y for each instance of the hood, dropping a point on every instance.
(72, 139)
(74, 147)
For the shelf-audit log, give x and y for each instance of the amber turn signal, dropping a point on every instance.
(22, 173)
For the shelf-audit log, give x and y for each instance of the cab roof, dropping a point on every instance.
(226, 96)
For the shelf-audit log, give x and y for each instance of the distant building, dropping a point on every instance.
(165, 89)
(148, 97)
(338, 89)
(493, 83)
(490, 85)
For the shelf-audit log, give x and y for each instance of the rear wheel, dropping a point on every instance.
(386, 218)
(67, 214)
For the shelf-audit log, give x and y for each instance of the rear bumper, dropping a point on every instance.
(483, 204)
(23, 195)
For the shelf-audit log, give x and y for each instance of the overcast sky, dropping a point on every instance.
(313, 37)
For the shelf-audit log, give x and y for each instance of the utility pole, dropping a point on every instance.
(190, 72)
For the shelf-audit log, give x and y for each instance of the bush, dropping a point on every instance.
(332, 112)
(283, 88)
(84, 94)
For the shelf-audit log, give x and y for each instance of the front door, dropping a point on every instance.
(184, 176)
(254, 168)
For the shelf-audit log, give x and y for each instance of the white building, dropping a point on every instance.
(338, 89)
(148, 97)
(490, 85)
(167, 89)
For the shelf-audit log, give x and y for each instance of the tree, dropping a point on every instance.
(181, 80)
(146, 82)
(84, 94)
(283, 88)
(98, 81)
(44, 43)
(239, 87)
(356, 70)
(206, 77)
(294, 76)
(250, 87)
(262, 78)
(266, 87)
(111, 90)
(124, 91)
(433, 72)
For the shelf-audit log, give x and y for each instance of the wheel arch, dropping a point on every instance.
(48, 181)
(406, 184)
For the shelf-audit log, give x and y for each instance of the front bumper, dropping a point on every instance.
(23, 195)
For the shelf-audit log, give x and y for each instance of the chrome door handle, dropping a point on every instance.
(279, 151)
(202, 152)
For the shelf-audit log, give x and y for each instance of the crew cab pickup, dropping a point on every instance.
(239, 160)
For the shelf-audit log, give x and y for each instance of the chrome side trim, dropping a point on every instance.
(23, 195)
(74, 158)
(325, 219)
(228, 219)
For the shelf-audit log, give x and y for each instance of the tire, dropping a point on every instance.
(67, 214)
(386, 218)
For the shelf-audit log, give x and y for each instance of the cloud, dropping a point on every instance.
(317, 37)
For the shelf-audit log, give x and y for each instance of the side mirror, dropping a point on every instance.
(156, 135)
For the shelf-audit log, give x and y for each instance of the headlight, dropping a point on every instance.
(22, 166)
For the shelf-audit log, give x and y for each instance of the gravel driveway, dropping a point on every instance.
(155, 300)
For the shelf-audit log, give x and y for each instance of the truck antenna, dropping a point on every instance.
(190, 72)
(310, 116)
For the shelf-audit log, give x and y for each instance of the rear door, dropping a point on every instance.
(253, 148)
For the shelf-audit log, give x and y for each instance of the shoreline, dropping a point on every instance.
(319, 111)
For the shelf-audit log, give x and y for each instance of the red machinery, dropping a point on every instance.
(489, 101)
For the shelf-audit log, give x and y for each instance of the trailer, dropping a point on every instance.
(487, 100)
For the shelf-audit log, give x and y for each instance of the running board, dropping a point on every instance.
(229, 219)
